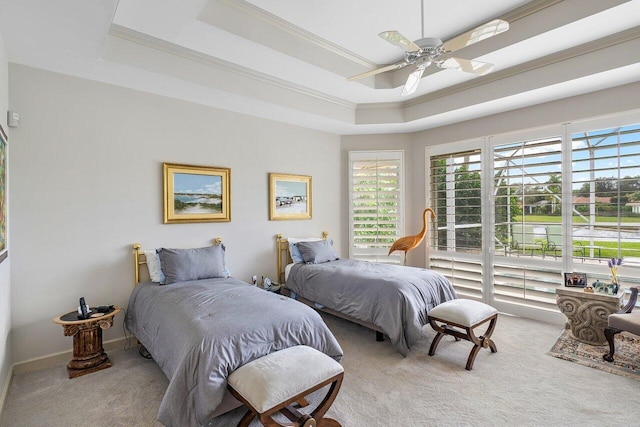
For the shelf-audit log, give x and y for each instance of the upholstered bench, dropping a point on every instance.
(273, 383)
(465, 315)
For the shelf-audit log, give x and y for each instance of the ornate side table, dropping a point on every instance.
(587, 312)
(88, 353)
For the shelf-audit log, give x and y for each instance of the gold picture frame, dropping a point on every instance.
(289, 196)
(196, 193)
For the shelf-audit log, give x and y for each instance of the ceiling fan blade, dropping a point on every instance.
(391, 67)
(397, 39)
(466, 65)
(413, 81)
(482, 32)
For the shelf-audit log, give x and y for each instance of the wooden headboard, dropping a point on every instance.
(283, 256)
(140, 260)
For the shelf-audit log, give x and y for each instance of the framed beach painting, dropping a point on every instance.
(4, 252)
(196, 193)
(289, 196)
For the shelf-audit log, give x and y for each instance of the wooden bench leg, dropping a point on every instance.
(468, 334)
(246, 420)
(315, 418)
(434, 343)
(482, 341)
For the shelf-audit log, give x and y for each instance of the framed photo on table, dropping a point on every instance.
(289, 196)
(196, 193)
(575, 280)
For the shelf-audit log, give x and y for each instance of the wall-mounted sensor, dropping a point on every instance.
(13, 119)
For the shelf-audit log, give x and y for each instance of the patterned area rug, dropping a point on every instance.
(626, 358)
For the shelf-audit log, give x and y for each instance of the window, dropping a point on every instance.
(457, 199)
(376, 200)
(606, 194)
(455, 193)
(515, 211)
(527, 190)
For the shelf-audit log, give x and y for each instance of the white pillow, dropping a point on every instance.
(296, 257)
(153, 263)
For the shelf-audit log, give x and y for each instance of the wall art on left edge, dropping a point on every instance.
(4, 251)
(196, 193)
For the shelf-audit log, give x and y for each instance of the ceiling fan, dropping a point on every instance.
(429, 50)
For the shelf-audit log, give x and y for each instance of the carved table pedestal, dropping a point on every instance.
(587, 312)
(88, 353)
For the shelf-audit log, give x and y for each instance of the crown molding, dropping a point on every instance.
(527, 9)
(295, 31)
(584, 49)
(133, 36)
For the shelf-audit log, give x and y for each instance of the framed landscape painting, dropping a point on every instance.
(196, 193)
(289, 196)
(4, 252)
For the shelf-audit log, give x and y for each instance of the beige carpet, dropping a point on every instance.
(518, 386)
(626, 357)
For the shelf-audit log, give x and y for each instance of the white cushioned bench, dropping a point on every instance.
(465, 315)
(273, 383)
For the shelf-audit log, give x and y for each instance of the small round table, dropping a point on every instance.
(88, 353)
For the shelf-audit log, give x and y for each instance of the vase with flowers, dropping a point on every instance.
(614, 264)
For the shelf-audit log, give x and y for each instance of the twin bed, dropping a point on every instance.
(203, 324)
(201, 329)
(389, 299)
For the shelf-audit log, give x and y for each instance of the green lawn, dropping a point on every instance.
(609, 249)
(550, 219)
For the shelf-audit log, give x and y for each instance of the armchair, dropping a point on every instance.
(623, 320)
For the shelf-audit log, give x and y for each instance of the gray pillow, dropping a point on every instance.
(317, 252)
(179, 265)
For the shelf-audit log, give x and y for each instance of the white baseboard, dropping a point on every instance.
(60, 358)
(47, 362)
(5, 391)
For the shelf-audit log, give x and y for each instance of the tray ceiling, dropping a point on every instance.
(289, 60)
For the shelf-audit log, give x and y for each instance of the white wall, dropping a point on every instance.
(86, 178)
(5, 285)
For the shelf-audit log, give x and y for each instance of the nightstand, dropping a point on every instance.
(88, 353)
(587, 312)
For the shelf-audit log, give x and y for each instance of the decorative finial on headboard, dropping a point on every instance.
(325, 234)
(279, 236)
(136, 259)
(217, 240)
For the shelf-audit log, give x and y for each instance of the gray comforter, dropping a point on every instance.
(394, 298)
(200, 331)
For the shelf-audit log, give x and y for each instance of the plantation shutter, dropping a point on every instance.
(527, 188)
(606, 196)
(376, 184)
(528, 185)
(456, 238)
(457, 199)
